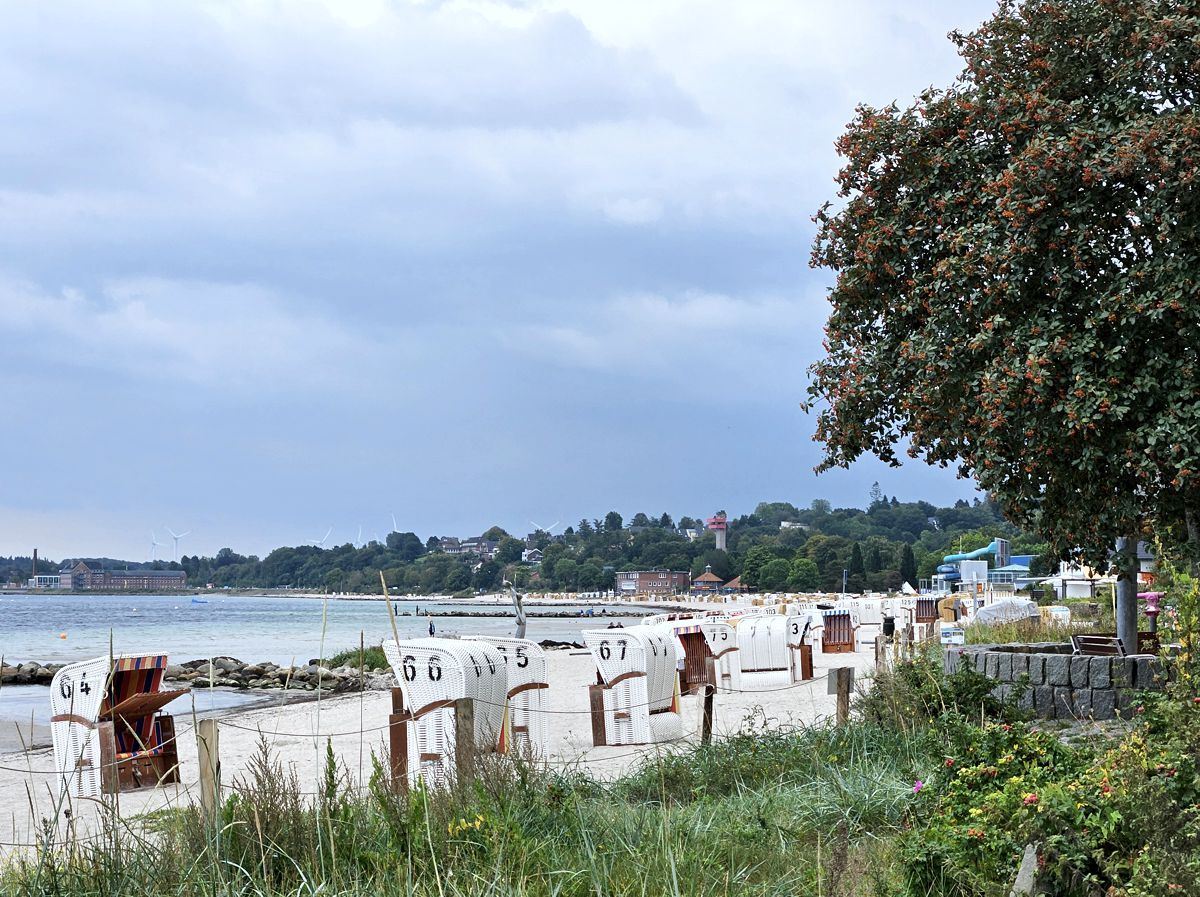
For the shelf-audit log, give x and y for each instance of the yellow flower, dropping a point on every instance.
(975, 811)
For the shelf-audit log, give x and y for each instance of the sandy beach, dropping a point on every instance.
(355, 724)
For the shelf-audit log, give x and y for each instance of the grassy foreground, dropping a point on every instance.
(934, 790)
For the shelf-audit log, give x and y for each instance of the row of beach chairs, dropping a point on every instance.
(111, 733)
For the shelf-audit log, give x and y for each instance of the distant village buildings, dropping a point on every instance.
(82, 577)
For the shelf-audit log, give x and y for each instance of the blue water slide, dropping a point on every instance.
(971, 555)
(948, 572)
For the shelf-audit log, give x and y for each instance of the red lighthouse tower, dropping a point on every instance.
(717, 523)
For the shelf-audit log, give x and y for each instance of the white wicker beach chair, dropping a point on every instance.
(433, 673)
(638, 692)
(76, 692)
(722, 643)
(769, 651)
(525, 722)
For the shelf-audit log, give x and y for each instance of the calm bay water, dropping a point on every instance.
(282, 630)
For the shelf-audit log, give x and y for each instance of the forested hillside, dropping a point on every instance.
(777, 547)
(878, 547)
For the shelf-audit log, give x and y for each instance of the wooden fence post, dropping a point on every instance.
(844, 677)
(706, 710)
(464, 739)
(208, 744)
(880, 652)
(398, 741)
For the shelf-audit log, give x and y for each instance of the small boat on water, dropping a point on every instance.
(199, 601)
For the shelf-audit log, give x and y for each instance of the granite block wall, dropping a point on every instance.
(1058, 685)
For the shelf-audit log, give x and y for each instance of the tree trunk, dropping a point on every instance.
(1126, 563)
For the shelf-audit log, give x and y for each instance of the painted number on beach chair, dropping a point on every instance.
(409, 667)
(795, 628)
(606, 650)
(522, 658)
(435, 669)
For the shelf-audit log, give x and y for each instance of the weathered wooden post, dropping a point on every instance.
(398, 741)
(706, 710)
(840, 682)
(208, 741)
(464, 739)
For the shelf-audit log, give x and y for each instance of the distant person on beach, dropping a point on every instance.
(432, 628)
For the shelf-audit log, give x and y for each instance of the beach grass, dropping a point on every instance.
(805, 811)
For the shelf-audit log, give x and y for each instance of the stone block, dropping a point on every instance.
(1025, 701)
(1122, 671)
(1083, 702)
(1100, 672)
(1064, 703)
(1147, 673)
(1001, 691)
(1125, 702)
(1043, 701)
(1058, 670)
(1104, 703)
(1004, 667)
(992, 665)
(1037, 669)
(1020, 666)
(1079, 672)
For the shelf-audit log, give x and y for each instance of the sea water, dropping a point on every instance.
(65, 628)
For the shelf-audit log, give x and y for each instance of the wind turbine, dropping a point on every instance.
(320, 543)
(395, 528)
(177, 537)
(359, 543)
(154, 546)
(546, 529)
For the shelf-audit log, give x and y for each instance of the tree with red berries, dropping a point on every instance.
(1018, 275)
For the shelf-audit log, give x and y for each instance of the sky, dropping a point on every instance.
(269, 267)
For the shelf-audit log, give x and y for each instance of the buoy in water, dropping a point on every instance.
(62, 635)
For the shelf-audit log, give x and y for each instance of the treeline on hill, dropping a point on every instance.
(880, 547)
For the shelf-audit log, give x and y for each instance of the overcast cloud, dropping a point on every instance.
(267, 267)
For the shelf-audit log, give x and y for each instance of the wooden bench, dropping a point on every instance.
(1098, 645)
(838, 635)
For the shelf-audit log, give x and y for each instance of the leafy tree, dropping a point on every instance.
(1015, 262)
(665, 521)
(613, 522)
(590, 578)
(457, 579)
(495, 534)
(773, 577)
(487, 576)
(640, 519)
(585, 528)
(908, 566)
(509, 550)
(804, 575)
(756, 558)
(407, 545)
(856, 566)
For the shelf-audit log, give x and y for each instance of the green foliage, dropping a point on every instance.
(1015, 260)
(918, 692)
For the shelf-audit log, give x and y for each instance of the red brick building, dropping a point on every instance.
(653, 582)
